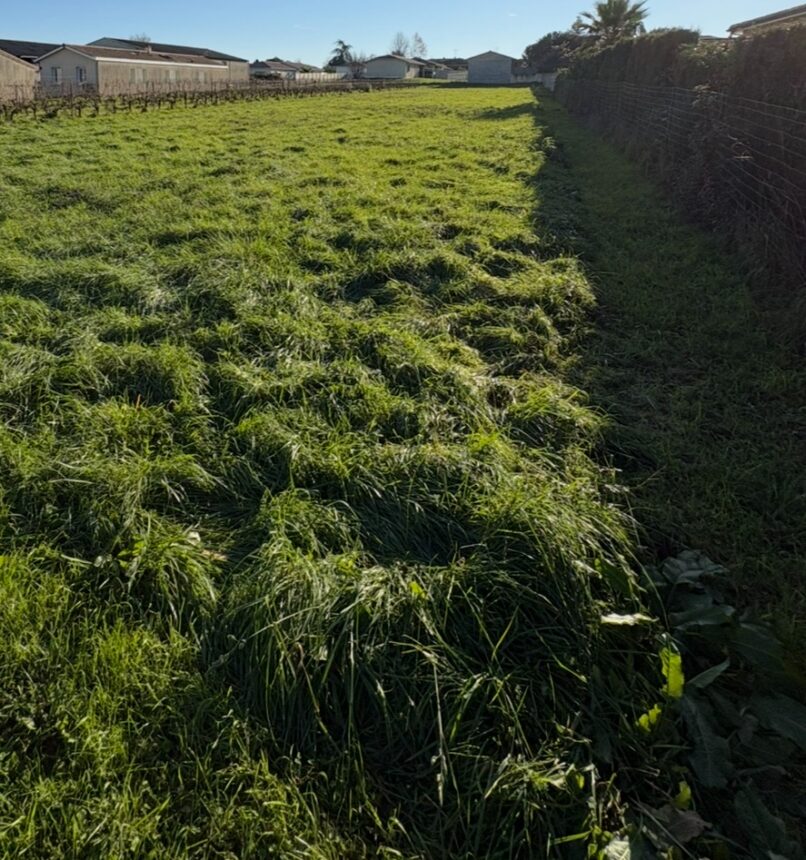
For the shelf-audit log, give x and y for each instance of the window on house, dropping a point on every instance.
(55, 74)
(81, 75)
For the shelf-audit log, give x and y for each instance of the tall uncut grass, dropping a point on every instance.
(305, 542)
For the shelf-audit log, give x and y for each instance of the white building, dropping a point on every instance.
(494, 68)
(113, 71)
(393, 66)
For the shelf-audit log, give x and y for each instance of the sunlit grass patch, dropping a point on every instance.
(290, 458)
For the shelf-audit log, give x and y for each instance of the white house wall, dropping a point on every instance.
(490, 70)
(68, 61)
(391, 68)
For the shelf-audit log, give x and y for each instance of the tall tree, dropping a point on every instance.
(613, 19)
(555, 51)
(418, 46)
(140, 37)
(400, 44)
(342, 54)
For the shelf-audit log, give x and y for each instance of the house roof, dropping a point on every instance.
(93, 52)
(278, 65)
(159, 47)
(19, 60)
(431, 63)
(772, 18)
(25, 50)
(409, 60)
(491, 54)
(271, 66)
(302, 67)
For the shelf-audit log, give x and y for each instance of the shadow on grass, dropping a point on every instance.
(707, 408)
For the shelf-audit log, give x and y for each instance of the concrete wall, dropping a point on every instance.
(238, 72)
(135, 77)
(113, 77)
(489, 69)
(17, 78)
(68, 63)
(390, 68)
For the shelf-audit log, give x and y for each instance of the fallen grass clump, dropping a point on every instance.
(305, 551)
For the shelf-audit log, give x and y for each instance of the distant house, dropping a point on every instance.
(277, 69)
(18, 78)
(393, 66)
(351, 70)
(775, 20)
(490, 68)
(431, 68)
(111, 71)
(494, 68)
(238, 67)
(270, 70)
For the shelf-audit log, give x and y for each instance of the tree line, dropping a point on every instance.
(608, 22)
(345, 54)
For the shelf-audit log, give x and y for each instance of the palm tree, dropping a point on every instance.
(612, 19)
(342, 54)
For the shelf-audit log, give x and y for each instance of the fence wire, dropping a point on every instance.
(739, 163)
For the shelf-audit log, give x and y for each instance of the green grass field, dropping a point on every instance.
(312, 545)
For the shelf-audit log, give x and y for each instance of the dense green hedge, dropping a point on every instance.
(769, 67)
(679, 105)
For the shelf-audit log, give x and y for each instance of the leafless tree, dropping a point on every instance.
(418, 46)
(401, 44)
(358, 62)
(140, 37)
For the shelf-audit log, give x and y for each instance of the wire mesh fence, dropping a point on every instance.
(736, 162)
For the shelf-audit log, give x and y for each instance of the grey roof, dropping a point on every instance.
(492, 54)
(408, 60)
(278, 65)
(159, 47)
(783, 15)
(432, 63)
(96, 52)
(26, 50)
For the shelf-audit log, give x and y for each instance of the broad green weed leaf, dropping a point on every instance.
(706, 678)
(759, 645)
(710, 757)
(682, 826)
(766, 832)
(711, 616)
(784, 716)
(690, 566)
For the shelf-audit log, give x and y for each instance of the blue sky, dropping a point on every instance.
(306, 30)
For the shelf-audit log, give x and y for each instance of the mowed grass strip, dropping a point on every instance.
(304, 549)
